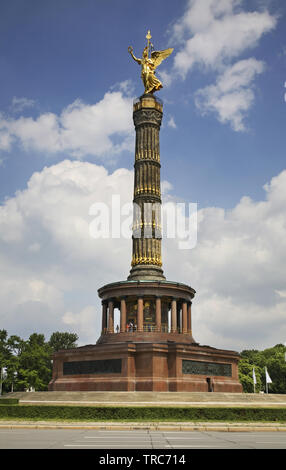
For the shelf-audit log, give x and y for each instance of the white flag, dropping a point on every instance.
(268, 380)
(254, 376)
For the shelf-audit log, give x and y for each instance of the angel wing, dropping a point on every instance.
(159, 56)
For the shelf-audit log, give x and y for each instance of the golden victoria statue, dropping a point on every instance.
(149, 65)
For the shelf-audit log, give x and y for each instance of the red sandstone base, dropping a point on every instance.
(158, 367)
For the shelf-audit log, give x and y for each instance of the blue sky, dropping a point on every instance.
(223, 135)
(56, 52)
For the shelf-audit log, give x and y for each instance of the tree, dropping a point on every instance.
(4, 356)
(245, 374)
(65, 340)
(15, 345)
(29, 363)
(35, 363)
(273, 359)
(275, 362)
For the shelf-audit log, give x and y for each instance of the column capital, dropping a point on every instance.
(147, 116)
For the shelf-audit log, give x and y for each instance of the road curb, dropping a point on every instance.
(215, 427)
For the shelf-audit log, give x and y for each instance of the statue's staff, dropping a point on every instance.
(149, 44)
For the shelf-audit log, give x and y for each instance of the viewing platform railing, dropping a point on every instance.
(146, 329)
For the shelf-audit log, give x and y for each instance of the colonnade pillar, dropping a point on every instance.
(185, 326)
(122, 315)
(190, 317)
(140, 314)
(173, 316)
(104, 317)
(184, 317)
(110, 316)
(158, 314)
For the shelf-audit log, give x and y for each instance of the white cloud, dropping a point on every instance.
(84, 322)
(214, 32)
(103, 129)
(165, 77)
(238, 269)
(232, 95)
(171, 123)
(5, 139)
(212, 35)
(51, 268)
(19, 104)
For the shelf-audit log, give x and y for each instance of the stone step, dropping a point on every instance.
(172, 398)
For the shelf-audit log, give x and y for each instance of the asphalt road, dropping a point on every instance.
(141, 439)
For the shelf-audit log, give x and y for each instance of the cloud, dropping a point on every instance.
(238, 269)
(51, 267)
(171, 123)
(102, 130)
(211, 36)
(19, 104)
(232, 95)
(84, 322)
(166, 78)
(214, 32)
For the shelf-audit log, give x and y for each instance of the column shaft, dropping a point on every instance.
(110, 316)
(184, 317)
(104, 318)
(140, 314)
(174, 316)
(158, 314)
(190, 318)
(147, 116)
(122, 316)
(179, 324)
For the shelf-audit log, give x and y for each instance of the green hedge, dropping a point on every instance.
(9, 401)
(128, 413)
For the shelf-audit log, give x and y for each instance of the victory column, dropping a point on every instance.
(153, 349)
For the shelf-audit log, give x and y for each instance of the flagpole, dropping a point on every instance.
(254, 379)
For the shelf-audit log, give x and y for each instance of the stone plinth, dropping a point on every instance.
(161, 367)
